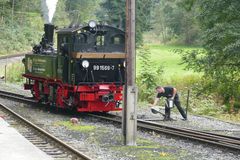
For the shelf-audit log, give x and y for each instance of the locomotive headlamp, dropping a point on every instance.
(92, 24)
(85, 64)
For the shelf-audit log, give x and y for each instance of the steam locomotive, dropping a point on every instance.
(85, 72)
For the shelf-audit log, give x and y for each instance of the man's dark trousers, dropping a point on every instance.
(180, 109)
(178, 104)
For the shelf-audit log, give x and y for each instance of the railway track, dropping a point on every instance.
(49, 144)
(13, 55)
(201, 136)
(17, 97)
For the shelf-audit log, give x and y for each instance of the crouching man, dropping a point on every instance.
(171, 94)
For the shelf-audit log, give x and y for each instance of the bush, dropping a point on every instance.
(149, 75)
(14, 72)
(224, 82)
(200, 102)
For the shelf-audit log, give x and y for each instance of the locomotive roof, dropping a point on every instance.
(70, 30)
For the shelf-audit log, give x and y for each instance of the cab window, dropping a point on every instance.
(117, 39)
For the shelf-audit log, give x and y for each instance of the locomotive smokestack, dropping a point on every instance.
(49, 32)
(46, 44)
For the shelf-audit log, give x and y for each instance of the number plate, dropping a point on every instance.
(103, 67)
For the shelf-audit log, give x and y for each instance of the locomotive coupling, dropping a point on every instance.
(108, 98)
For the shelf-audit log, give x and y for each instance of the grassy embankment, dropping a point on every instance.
(20, 35)
(174, 72)
(14, 72)
(164, 55)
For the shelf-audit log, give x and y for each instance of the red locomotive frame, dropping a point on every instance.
(83, 98)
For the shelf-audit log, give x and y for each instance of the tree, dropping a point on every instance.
(144, 13)
(19, 25)
(61, 16)
(113, 12)
(220, 61)
(148, 76)
(81, 11)
(172, 21)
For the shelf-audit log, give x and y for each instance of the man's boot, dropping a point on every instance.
(167, 114)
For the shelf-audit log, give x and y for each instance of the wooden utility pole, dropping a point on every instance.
(130, 94)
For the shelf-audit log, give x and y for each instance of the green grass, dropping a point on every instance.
(229, 117)
(164, 55)
(147, 150)
(76, 127)
(14, 72)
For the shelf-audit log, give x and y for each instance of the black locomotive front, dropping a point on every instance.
(97, 52)
(100, 71)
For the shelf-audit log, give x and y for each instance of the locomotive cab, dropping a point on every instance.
(100, 47)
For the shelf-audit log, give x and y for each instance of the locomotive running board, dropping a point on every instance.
(80, 55)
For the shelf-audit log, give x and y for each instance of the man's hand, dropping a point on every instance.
(150, 105)
(171, 98)
(174, 92)
(155, 101)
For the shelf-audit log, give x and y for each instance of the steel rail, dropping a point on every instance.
(17, 97)
(13, 55)
(202, 136)
(76, 153)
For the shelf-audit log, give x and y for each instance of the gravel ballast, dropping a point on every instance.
(104, 140)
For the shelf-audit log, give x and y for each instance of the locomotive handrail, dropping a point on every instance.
(99, 83)
(80, 55)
